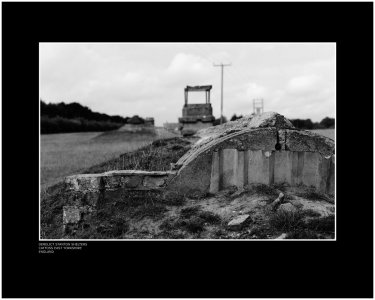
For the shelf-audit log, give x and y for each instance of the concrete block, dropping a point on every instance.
(229, 167)
(132, 182)
(323, 173)
(215, 173)
(295, 179)
(240, 182)
(283, 167)
(238, 222)
(113, 182)
(89, 182)
(297, 176)
(83, 182)
(310, 174)
(331, 177)
(258, 166)
(71, 214)
(154, 181)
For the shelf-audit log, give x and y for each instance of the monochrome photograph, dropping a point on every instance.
(187, 150)
(187, 141)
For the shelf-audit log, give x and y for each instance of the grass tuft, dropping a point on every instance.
(156, 156)
(191, 219)
(311, 193)
(286, 220)
(264, 190)
(189, 211)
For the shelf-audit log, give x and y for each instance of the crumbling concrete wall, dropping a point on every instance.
(88, 191)
(260, 149)
(113, 180)
(231, 167)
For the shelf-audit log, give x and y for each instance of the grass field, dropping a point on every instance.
(326, 132)
(69, 153)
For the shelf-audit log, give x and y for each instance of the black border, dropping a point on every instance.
(188, 269)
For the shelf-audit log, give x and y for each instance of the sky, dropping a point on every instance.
(297, 80)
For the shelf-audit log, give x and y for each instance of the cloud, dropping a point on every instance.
(254, 90)
(187, 69)
(303, 84)
(189, 63)
(148, 79)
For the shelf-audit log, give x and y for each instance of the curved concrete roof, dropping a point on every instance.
(261, 132)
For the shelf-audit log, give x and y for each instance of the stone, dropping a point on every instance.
(238, 222)
(288, 207)
(71, 214)
(113, 182)
(83, 182)
(153, 181)
(281, 237)
(275, 204)
(133, 181)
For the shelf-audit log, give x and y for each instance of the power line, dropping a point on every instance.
(222, 83)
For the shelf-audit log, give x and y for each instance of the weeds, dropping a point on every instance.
(324, 224)
(189, 211)
(156, 156)
(311, 193)
(191, 219)
(294, 223)
(153, 211)
(264, 190)
(286, 220)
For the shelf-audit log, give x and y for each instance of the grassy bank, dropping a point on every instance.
(69, 153)
(66, 154)
(156, 156)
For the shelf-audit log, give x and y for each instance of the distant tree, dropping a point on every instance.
(73, 117)
(136, 120)
(75, 110)
(303, 124)
(308, 124)
(328, 122)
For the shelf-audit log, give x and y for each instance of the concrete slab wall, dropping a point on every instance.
(268, 167)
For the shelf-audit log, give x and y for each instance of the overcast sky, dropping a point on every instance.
(294, 79)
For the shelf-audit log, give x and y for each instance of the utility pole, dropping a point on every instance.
(222, 84)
